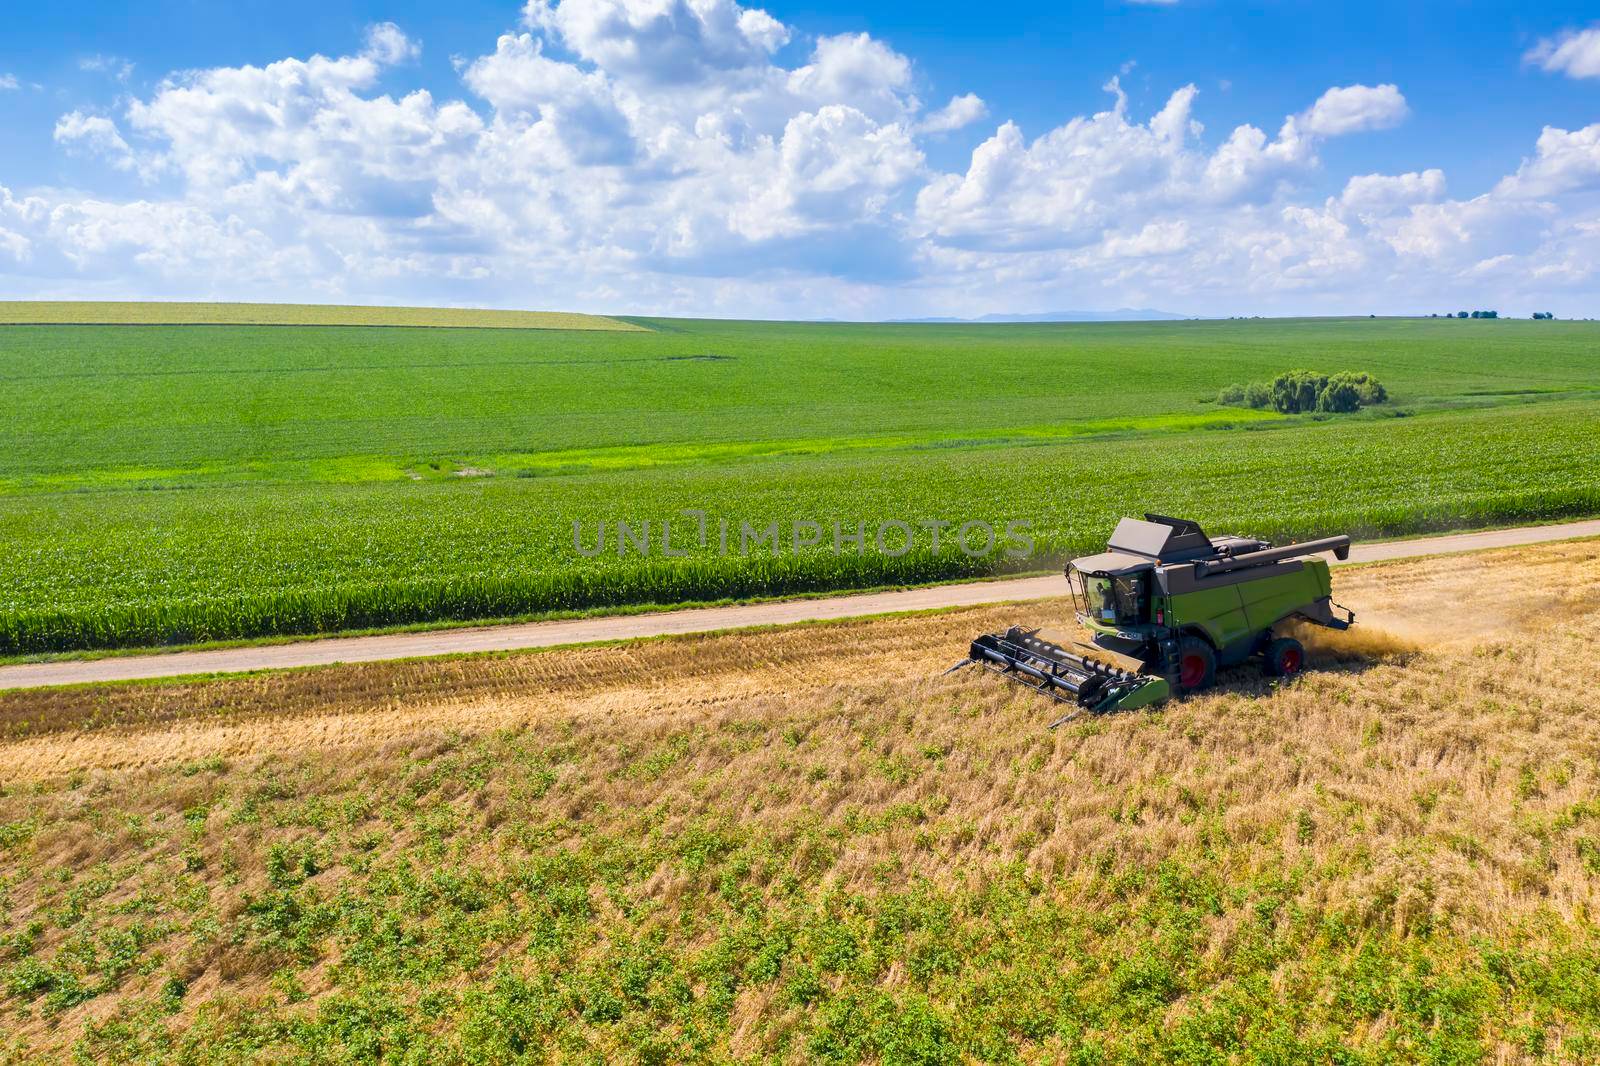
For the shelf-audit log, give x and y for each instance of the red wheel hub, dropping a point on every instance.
(1290, 663)
(1191, 671)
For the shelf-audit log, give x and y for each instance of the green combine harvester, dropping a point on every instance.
(1166, 607)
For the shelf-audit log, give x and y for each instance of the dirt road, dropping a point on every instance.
(697, 620)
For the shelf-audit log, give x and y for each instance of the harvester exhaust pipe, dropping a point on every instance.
(1340, 546)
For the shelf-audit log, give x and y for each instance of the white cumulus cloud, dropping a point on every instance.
(1564, 161)
(661, 41)
(1097, 176)
(1372, 191)
(960, 112)
(1354, 108)
(1574, 53)
(95, 134)
(699, 156)
(388, 44)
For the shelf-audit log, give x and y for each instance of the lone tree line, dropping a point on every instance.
(1301, 391)
(1488, 314)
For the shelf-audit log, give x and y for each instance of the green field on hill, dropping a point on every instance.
(177, 313)
(187, 483)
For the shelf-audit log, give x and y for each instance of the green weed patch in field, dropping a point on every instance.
(644, 457)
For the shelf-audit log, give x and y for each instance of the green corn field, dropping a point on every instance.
(176, 486)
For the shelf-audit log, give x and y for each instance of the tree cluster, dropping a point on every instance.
(1301, 391)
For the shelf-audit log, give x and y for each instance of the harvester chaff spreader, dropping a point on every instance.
(1166, 606)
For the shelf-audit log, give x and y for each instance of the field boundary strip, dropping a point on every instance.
(115, 313)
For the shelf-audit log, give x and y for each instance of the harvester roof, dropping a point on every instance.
(1171, 543)
(1161, 540)
(1112, 563)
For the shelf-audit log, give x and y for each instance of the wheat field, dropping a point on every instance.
(804, 844)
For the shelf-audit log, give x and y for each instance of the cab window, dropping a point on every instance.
(1122, 600)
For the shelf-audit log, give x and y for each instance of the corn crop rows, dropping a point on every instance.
(112, 569)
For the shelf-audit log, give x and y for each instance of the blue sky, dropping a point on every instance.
(807, 160)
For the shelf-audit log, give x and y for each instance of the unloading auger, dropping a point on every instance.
(1166, 606)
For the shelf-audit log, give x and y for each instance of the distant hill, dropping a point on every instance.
(1121, 314)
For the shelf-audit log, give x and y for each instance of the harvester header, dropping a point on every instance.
(1164, 607)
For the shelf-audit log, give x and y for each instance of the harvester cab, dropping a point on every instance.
(1165, 607)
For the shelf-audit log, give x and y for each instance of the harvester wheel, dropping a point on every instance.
(1285, 656)
(1197, 664)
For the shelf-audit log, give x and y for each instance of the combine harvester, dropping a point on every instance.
(1166, 607)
